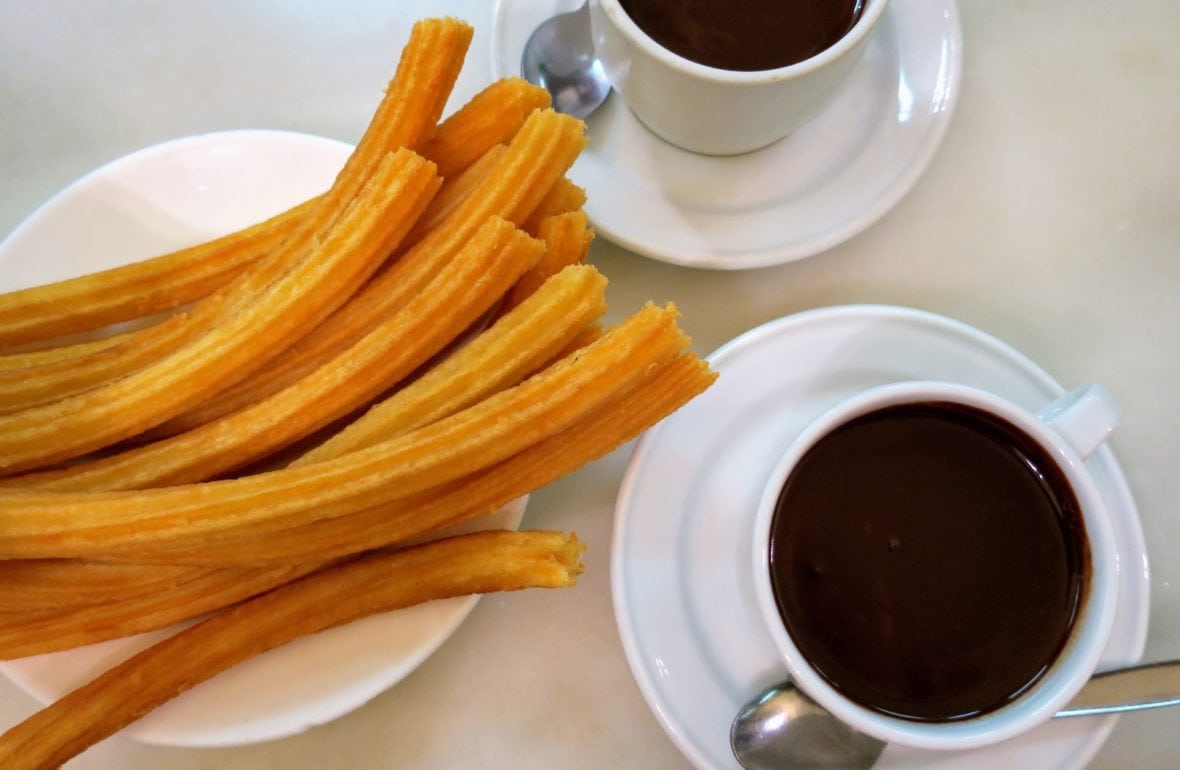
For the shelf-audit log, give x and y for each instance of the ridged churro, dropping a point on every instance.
(131, 291)
(660, 392)
(135, 526)
(405, 118)
(514, 347)
(470, 564)
(165, 282)
(457, 295)
(662, 389)
(538, 156)
(285, 310)
(492, 117)
(564, 196)
(567, 239)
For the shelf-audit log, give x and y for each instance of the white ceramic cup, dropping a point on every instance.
(1068, 429)
(715, 111)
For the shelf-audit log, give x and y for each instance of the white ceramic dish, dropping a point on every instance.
(802, 195)
(715, 111)
(150, 202)
(682, 589)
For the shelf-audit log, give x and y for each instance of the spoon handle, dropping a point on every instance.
(1149, 686)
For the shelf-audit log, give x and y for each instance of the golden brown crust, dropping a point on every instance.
(470, 564)
(454, 191)
(480, 415)
(135, 526)
(132, 291)
(493, 116)
(543, 149)
(661, 391)
(513, 348)
(564, 196)
(567, 239)
(405, 117)
(41, 586)
(457, 295)
(285, 310)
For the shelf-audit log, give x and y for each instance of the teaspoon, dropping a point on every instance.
(784, 729)
(559, 56)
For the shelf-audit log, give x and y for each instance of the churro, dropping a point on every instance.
(567, 239)
(536, 159)
(395, 196)
(38, 586)
(427, 322)
(135, 290)
(492, 117)
(463, 289)
(165, 282)
(514, 347)
(406, 116)
(660, 392)
(471, 564)
(454, 191)
(132, 526)
(564, 196)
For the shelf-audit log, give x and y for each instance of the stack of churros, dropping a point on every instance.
(416, 347)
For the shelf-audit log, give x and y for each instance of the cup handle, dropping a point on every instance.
(1084, 417)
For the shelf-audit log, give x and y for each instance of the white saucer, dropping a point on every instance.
(798, 197)
(156, 200)
(683, 595)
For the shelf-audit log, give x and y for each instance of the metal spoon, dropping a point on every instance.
(559, 56)
(783, 729)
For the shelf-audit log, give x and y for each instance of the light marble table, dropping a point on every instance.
(1050, 218)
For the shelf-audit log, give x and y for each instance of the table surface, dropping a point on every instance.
(1049, 218)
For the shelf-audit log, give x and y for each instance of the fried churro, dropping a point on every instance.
(567, 239)
(38, 586)
(463, 289)
(394, 197)
(536, 159)
(406, 116)
(470, 564)
(165, 282)
(492, 117)
(427, 321)
(564, 196)
(127, 526)
(135, 290)
(454, 191)
(514, 347)
(660, 392)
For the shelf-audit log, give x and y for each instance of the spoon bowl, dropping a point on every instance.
(559, 57)
(783, 728)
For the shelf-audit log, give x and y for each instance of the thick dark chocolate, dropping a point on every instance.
(929, 560)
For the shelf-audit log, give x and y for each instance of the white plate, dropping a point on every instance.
(150, 202)
(803, 195)
(683, 595)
